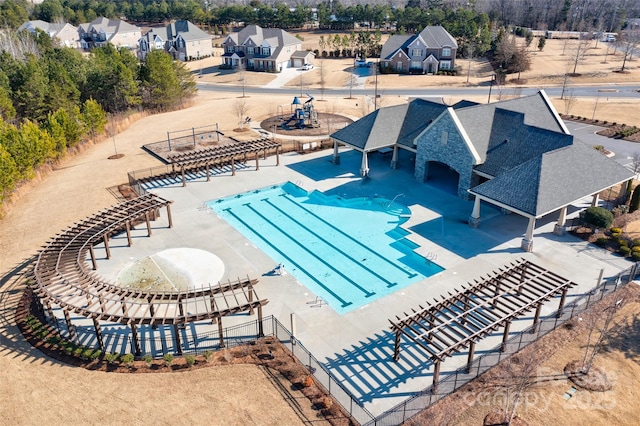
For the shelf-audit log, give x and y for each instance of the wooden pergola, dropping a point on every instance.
(63, 279)
(461, 320)
(217, 156)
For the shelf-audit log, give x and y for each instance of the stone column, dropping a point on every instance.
(558, 229)
(474, 219)
(336, 153)
(364, 167)
(527, 241)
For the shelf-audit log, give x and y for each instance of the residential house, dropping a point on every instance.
(65, 34)
(430, 51)
(516, 154)
(183, 39)
(101, 31)
(262, 49)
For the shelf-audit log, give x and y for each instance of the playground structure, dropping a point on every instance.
(303, 115)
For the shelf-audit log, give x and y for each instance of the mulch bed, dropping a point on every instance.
(595, 381)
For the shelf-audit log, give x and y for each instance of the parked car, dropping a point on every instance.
(307, 67)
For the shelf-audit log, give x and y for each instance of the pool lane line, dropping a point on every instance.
(384, 259)
(366, 292)
(334, 247)
(263, 238)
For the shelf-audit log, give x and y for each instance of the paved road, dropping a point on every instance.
(610, 90)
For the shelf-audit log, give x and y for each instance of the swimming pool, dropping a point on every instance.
(349, 252)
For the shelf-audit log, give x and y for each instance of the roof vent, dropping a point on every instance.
(505, 141)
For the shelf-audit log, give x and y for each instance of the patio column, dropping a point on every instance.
(527, 241)
(336, 153)
(474, 219)
(394, 158)
(364, 167)
(595, 200)
(558, 229)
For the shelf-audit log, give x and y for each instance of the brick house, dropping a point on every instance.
(261, 49)
(430, 51)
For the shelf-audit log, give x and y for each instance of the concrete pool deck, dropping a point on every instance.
(357, 347)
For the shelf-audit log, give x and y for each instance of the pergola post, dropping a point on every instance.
(394, 158)
(105, 238)
(250, 299)
(184, 180)
(169, 216)
(472, 350)
(505, 336)
(136, 342)
(67, 319)
(146, 218)
(96, 326)
(474, 219)
(396, 346)
(595, 199)
(220, 331)
(257, 160)
(93, 257)
(563, 297)
(536, 318)
(260, 326)
(436, 375)
(527, 241)
(364, 166)
(558, 229)
(127, 226)
(277, 155)
(233, 166)
(47, 306)
(176, 333)
(206, 166)
(336, 153)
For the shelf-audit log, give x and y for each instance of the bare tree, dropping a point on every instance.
(241, 108)
(323, 79)
(569, 101)
(579, 53)
(242, 70)
(594, 344)
(629, 44)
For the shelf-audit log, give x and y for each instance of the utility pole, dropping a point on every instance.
(375, 99)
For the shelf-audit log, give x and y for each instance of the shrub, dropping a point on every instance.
(598, 217)
(190, 359)
(95, 355)
(128, 359)
(635, 249)
(635, 242)
(635, 256)
(624, 251)
(208, 355)
(307, 382)
(168, 358)
(601, 242)
(78, 352)
(635, 199)
(615, 230)
(622, 242)
(87, 353)
(148, 359)
(327, 402)
(111, 358)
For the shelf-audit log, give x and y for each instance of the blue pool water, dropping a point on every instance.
(349, 252)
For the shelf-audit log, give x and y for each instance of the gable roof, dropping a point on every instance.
(554, 179)
(394, 43)
(111, 26)
(492, 123)
(436, 36)
(274, 36)
(390, 125)
(187, 30)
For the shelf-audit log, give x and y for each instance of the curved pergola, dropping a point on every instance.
(63, 279)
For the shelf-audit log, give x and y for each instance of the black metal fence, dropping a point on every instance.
(451, 382)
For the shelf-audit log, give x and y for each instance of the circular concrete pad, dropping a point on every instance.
(176, 269)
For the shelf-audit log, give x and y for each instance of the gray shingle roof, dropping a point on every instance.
(554, 179)
(437, 36)
(275, 36)
(487, 127)
(394, 43)
(386, 126)
(186, 29)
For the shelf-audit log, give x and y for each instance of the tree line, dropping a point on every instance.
(52, 98)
